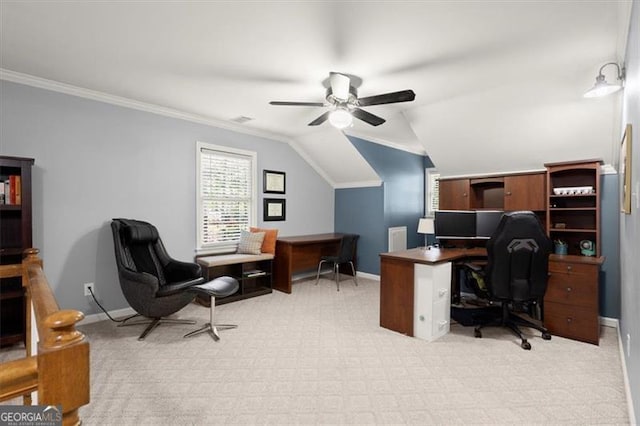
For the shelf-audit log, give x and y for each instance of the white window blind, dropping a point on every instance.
(226, 196)
(433, 192)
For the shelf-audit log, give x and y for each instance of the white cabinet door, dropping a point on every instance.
(431, 300)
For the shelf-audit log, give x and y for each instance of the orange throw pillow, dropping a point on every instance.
(269, 242)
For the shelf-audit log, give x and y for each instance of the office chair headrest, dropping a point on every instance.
(138, 232)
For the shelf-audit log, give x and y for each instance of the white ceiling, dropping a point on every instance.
(498, 83)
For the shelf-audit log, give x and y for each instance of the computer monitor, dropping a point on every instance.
(455, 224)
(487, 222)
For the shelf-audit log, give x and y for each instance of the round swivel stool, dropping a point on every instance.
(219, 287)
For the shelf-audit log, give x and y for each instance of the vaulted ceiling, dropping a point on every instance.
(498, 84)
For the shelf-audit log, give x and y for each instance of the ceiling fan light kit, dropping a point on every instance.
(604, 88)
(342, 96)
(340, 118)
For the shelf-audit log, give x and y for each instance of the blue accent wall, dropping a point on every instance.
(398, 202)
(359, 211)
(610, 241)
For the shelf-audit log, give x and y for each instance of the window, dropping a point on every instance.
(432, 200)
(226, 199)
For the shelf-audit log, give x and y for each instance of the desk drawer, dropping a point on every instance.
(573, 268)
(574, 322)
(573, 289)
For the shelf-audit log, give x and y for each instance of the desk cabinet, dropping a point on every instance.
(432, 300)
(525, 192)
(571, 300)
(454, 194)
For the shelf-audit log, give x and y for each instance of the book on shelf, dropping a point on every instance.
(11, 192)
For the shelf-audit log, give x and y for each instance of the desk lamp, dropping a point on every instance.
(425, 226)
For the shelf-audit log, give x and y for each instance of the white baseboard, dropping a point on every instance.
(609, 322)
(625, 374)
(90, 319)
(368, 275)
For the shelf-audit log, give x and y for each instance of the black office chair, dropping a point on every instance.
(154, 284)
(516, 273)
(345, 255)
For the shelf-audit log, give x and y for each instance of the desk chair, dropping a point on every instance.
(154, 284)
(516, 273)
(345, 255)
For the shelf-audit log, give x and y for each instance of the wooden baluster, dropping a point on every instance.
(29, 256)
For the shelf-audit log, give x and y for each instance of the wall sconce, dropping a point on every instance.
(425, 226)
(602, 87)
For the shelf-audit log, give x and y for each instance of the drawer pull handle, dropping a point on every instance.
(569, 289)
(569, 320)
(568, 268)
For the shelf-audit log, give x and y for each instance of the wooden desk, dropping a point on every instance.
(397, 278)
(570, 303)
(299, 253)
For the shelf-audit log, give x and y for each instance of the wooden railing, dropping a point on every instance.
(59, 372)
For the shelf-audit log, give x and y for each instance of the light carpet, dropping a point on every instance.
(318, 356)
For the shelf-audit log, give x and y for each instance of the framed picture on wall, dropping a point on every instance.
(273, 182)
(274, 209)
(625, 170)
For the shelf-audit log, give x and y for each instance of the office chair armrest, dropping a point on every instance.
(173, 288)
(143, 278)
(182, 271)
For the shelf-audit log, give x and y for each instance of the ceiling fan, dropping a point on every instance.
(343, 100)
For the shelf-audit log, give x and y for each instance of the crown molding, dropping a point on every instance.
(387, 143)
(362, 184)
(68, 89)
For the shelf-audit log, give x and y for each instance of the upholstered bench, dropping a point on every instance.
(231, 259)
(253, 272)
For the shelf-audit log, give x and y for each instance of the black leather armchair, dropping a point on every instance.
(516, 274)
(154, 284)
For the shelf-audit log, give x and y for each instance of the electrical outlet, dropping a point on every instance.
(628, 345)
(88, 286)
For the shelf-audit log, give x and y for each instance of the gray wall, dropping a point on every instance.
(95, 161)
(630, 224)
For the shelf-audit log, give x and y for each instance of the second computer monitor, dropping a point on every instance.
(466, 224)
(455, 224)
(486, 222)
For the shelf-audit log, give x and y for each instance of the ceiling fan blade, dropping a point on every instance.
(287, 103)
(388, 98)
(320, 119)
(367, 117)
(339, 85)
